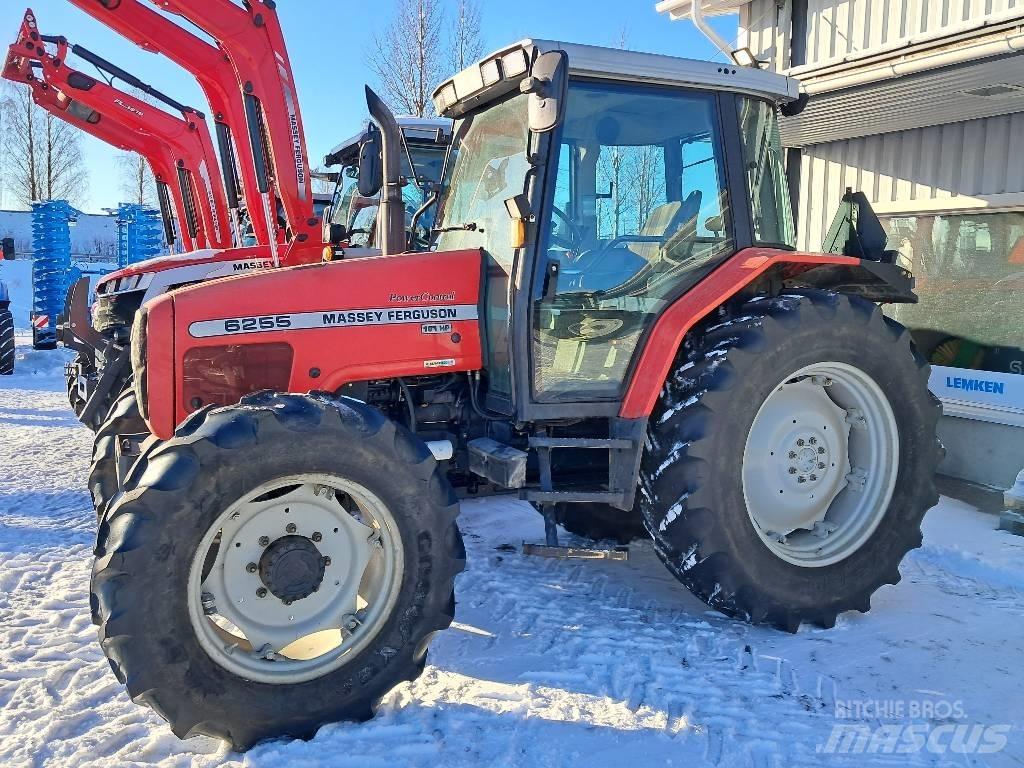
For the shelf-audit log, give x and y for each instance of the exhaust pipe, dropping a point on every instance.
(391, 216)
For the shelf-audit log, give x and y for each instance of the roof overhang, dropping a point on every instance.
(678, 10)
(945, 81)
(502, 71)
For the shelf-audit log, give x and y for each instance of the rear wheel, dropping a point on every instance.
(6, 342)
(275, 566)
(791, 459)
(601, 522)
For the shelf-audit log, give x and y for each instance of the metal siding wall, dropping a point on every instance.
(838, 28)
(978, 157)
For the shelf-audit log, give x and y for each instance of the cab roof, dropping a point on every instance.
(423, 129)
(471, 88)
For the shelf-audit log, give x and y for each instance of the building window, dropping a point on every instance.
(970, 278)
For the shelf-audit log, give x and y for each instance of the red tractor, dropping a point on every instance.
(613, 319)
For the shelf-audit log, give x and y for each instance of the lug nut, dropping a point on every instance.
(291, 528)
(821, 465)
(327, 561)
(802, 479)
(264, 541)
(252, 567)
(813, 478)
(792, 454)
(287, 602)
(792, 470)
(261, 592)
(317, 536)
(800, 441)
(821, 450)
(813, 441)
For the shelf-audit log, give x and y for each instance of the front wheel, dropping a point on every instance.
(791, 459)
(276, 566)
(106, 471)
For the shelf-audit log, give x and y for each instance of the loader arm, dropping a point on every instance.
(211, 67)
(187, 136)
(252, 39)
(18, 69)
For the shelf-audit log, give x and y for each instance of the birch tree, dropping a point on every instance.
(138, 183)
(465, 39)
(408, 58)
(42, 153)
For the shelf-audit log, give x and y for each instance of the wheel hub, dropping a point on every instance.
(292, 568)
(294, 577)
(807, 458)
(820, 464)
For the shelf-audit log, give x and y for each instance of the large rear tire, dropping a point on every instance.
(124, 419)
(6, 342)
(601, 522)
(753, 503)
(277, 481)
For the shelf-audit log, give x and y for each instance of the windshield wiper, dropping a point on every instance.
(469, 227)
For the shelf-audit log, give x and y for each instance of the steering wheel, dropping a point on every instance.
(571, 243)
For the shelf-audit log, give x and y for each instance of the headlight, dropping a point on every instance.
(222, 375)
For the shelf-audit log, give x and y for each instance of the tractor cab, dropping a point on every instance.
(602, 185)
(351, 218)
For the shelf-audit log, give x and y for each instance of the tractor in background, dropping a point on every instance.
(6, 317)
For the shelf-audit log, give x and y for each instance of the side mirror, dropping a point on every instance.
(371, 165)
(546, 86)
(8, 246)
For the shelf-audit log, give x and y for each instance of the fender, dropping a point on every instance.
(874, 280)
(313, 327)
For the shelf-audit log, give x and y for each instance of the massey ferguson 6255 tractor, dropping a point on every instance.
(613, 316)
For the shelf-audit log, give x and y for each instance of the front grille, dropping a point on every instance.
(117, 311)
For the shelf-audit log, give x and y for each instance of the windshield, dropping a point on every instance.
(359, 214)
(428, 160)
(488, 165)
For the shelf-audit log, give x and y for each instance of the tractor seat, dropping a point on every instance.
(669, 222)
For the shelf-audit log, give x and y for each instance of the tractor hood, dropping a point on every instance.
(316, 327)
(211, 262)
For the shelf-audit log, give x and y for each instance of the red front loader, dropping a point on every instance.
(274, 212)
(174, 189)
(614, 320)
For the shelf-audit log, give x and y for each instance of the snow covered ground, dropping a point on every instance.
(550, 663)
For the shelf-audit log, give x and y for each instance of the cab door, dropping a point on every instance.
(639, 212)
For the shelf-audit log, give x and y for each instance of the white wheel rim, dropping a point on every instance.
(820, 464)
(242, 618)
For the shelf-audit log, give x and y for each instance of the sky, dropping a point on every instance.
(329, 42)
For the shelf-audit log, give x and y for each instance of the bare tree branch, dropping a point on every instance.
(466, 42)
(407, 58)
(42, 154)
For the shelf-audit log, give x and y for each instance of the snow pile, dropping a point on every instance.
(549, 663)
